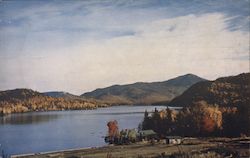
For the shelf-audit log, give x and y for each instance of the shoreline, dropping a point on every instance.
(215, 147)
(53, 152)
(106, 106)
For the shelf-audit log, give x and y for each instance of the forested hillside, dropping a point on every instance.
(226, 92)
(25, 100)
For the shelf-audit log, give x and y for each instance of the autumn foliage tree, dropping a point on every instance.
(113, 130)
(208, 118)
(200, 120)
(25, 100)
(208, 125)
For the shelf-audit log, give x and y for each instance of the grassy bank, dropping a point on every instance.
(191, 147)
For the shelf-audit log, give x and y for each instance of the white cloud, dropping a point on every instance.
(197, 44)
(159, 49)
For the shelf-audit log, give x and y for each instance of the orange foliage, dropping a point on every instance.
(113, 128)
(208, 125)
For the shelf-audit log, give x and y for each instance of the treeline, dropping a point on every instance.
(45, 103)
(201, 119)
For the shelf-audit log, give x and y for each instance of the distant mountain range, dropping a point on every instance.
(61, 94)
(144, 93)
(181, 91)
(226, 91)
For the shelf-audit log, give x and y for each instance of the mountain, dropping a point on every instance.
(144, 93)
(61, 94)
(25, 100)
(18, 94)
(226, 91)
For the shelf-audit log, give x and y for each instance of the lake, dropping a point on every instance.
(58, 130)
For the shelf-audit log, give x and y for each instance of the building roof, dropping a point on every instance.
(147, 132)
(173, 137)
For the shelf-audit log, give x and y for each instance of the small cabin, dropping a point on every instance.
(173, 140)
(147, 134)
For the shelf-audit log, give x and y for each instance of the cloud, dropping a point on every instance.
(155, 52)
(93, 44)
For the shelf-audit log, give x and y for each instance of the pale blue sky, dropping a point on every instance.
(78, 46)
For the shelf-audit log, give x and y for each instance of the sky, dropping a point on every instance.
(78, 46)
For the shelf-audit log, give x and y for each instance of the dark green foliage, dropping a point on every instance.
(230, 124)
(238, 123)
(227, 93)
(147, 122)
(197, 121)
(243, 115)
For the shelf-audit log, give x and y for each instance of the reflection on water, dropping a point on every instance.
(118, 113)
(58, 130)
(27, 118)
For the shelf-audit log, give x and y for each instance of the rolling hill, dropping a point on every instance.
(18, 94)
(229, 91)
(61, 94)
(25, 100)
(144, 93)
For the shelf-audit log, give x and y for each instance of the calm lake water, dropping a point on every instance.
(58, 130)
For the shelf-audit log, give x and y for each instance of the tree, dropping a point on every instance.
(236, 123)
(230, 126)
(147, 121)
(207, 118)
(113, 129)
(243, 115)
(168, 122)
(156, 122)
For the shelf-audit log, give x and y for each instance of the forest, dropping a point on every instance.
(202, 120)
(26, 100)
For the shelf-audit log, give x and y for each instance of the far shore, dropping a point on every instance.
(94, 108)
